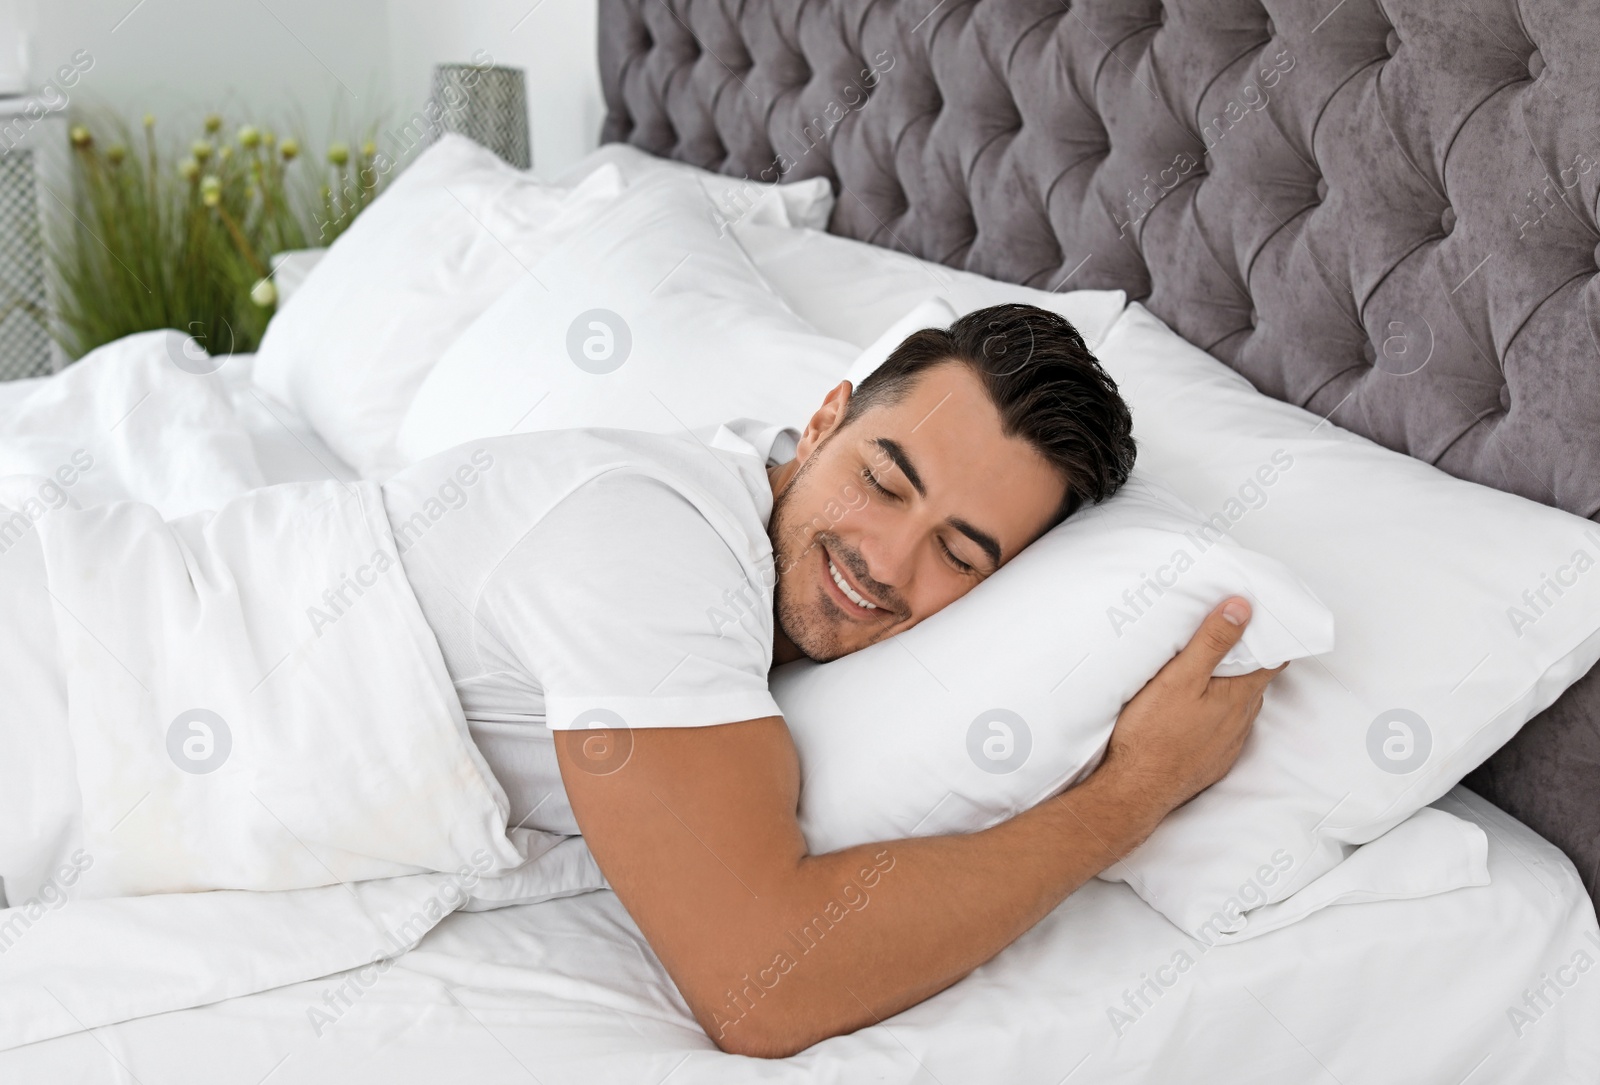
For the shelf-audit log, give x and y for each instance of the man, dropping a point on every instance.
(628, 594)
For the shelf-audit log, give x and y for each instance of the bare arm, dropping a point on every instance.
(775, 949)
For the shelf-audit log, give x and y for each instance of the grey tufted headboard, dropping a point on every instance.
(1325, 194)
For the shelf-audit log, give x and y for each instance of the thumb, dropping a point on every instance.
(1216, 637)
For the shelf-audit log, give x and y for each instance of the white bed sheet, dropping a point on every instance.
(567, 991)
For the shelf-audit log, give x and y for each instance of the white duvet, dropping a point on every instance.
(246, 699)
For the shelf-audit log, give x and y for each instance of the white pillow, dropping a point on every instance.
(353, 342)
(1009, 694)
(806, 203)
(1441, 656)
(853, 291)
(933, 313)
(290, 270)
(651, 318)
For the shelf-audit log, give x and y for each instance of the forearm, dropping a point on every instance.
(858, 935)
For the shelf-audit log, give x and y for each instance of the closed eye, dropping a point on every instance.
(872, 481)
(960, 565)
(964, 568)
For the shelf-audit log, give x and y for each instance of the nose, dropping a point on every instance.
(888, 545)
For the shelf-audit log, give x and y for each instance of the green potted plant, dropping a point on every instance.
(152, 240)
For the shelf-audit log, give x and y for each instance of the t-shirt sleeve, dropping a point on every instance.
(630, 609)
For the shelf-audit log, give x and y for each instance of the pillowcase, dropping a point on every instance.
(933, 313)
(650, 318)
(853, 291)
(806, 203)
(1462, 611)
(1009, 694)
(355, 339)
(290, 269)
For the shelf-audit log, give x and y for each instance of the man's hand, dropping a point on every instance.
(1183, 731)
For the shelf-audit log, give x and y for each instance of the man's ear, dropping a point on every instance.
(828, 417)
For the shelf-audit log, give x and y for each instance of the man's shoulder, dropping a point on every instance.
(641, 482)
(737, 439)
(718, 465)
(573, 449)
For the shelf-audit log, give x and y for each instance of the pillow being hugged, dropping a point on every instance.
(1010, 694)
(453, 233)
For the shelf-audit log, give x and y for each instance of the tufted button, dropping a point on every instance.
(1161, 14)
(1597, 256)
(1369, 352)
(1505, 397)
(1447, 220)
(1322, 189)
(1272, 31)
(1535, 65)
(1392, 42)
(1255, 318)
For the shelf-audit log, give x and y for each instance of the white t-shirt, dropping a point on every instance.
(593, 578)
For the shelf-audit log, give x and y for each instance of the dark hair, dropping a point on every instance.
(1048, 387)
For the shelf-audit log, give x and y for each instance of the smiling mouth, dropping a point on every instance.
(857, 602)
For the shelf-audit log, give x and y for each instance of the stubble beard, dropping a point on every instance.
(815, 636)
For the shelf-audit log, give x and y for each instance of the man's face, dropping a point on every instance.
(878, 524)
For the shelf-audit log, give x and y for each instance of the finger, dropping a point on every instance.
(1215, 638)
(1261, 679)
(1245, 689)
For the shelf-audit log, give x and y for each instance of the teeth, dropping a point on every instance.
(850, 593)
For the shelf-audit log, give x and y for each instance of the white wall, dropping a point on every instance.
(315, 66)
(553, 41)
(322, 63)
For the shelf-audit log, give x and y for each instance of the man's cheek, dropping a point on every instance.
(792, 545)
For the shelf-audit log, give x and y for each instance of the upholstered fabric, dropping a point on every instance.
(1385, 213)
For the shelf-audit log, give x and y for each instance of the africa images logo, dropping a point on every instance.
(1540, 599)
(199, 741)
(599, 341)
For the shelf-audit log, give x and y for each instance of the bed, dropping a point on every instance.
(1105, 989)
(986, 154)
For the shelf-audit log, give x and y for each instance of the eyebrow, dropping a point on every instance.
(901, 460)
(986, 542)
